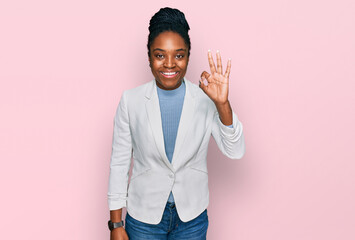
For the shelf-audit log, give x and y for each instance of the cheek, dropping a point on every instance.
(155, 66)
(183, 66)
(158, 63)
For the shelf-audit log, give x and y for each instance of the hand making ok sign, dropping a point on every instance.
(218, 83)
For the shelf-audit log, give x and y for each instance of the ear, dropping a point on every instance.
(149, 62)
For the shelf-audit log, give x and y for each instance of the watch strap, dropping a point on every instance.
(113, 225)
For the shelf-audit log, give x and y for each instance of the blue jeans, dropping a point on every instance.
(169, 228)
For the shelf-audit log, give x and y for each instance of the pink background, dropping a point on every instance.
(64, 65)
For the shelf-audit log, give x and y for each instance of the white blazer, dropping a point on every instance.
(138, 133)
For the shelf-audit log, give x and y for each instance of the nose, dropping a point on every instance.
(169, 62)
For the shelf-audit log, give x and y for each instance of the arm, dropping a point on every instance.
(120, 159)
(120, 232)
(119, 168)
(230, 139)
(116, 215)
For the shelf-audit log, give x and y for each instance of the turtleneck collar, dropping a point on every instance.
(171, 93)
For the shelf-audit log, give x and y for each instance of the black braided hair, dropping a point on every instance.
(168, 19)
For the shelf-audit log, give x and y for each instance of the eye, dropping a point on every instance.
(159, 56)
(179, 56)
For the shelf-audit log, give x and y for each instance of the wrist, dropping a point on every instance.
(119, 229)
(114, 225)
(225, 113)
(222, 105)
(116, 215)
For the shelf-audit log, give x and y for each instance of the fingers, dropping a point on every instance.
(211, 62)
(219, 69)
(202, 83)
(219, 62)
(228, 70)
(205, 75)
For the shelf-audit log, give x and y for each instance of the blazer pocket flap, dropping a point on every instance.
(138, 172)
(199, 167)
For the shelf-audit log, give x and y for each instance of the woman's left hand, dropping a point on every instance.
(218, 83)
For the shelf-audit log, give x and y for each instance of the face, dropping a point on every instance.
(168, 60)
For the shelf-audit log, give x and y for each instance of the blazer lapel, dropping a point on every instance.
(186, 119)
(154, 116)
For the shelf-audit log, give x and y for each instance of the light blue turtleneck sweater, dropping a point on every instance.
(171, 102)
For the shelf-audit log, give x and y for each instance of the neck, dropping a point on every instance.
(173, 92)
(162, 87)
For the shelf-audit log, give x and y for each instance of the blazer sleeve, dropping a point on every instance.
(230, 140)
(120, 157)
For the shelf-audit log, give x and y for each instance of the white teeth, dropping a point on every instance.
(168, 73)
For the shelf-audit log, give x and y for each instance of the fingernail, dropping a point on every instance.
(217, 51)
(209, 50)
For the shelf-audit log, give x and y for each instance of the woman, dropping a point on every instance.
(166, 125)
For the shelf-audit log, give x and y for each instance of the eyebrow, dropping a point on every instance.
(159, 49)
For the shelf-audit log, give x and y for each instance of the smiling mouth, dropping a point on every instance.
(169, 74)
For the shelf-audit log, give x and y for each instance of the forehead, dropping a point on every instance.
(168, 41)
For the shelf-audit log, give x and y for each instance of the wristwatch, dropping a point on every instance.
(112, 225)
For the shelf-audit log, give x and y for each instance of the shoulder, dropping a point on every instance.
(134, 97)
(137, 92)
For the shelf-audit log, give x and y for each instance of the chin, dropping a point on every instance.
(169, 84)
